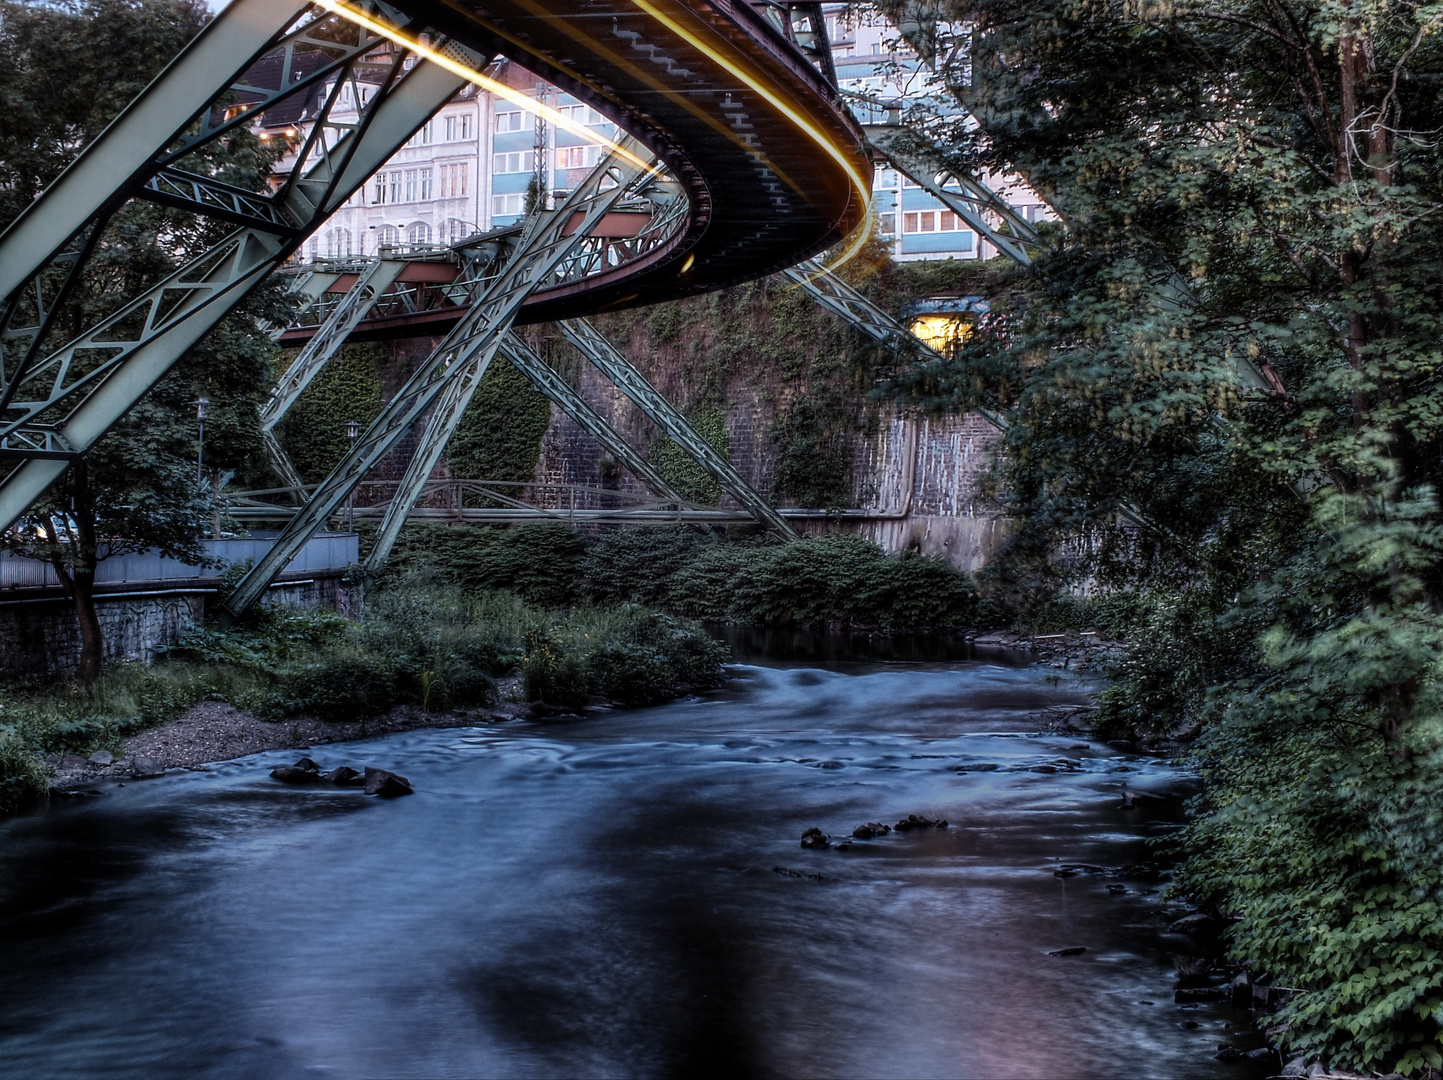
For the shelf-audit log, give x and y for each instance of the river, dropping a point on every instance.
(623, 895)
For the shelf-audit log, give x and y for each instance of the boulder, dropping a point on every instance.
(1227, 1052)
(291, 774)
(981, 766)
(142, 767)
(386, 784)
(1191, 967)
(344, 776)
(1297, 1067)
(815, 840)
(73, 761)
(1193, 924)
(101, 757)
(307, 764)
(919, 821)
(870, 830)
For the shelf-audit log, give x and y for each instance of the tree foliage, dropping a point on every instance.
(1234, 341)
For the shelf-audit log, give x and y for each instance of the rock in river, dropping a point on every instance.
(386, 784)
(814, 839)
(871, 829)
(142, 767)
(344, 776)
(294, 774)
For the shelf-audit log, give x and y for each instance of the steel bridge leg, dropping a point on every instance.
(100, 375)
(609, 360)
(547, 244)
(545, 379)
(971, 204)
(329, 337)
(834, 294)
(445, 418)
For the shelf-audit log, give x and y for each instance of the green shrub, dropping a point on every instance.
(540, 563)
(22, 774)
(635, 564)
(340, 686)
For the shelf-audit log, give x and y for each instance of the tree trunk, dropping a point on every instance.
(77, 578)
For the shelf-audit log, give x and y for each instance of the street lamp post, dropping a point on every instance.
(353, 430)
(200, 405)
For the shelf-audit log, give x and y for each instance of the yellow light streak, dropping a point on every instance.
(864, 187)
(501, 90)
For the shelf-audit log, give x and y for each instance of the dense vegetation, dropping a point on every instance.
(832, 581)
(427, 644)
(1221, 383)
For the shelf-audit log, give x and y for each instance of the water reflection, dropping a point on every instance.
(620, 897)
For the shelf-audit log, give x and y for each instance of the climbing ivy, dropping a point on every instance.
(676, 466)
(811, 455)
(314, 430)
(499, 438)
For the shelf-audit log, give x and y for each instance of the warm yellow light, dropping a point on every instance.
(690, 261)
(862, 186)
(516, 97)
(942, 332)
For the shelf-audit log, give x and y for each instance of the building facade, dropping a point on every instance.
(477, 164)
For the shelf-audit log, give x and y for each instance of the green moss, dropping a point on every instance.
(678, 468)
(346, 389)
(499, 438)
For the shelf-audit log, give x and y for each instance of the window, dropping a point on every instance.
(465, 125)
(452, 126)
(887, 224)
(380, 196)
(519, 161)
(577, 157)
(933, 221)
(420, 233)
(410, 185)
(507, 205)
(338, 243)
(582, 114)
(388, 236)
(456, 231)
(453, 179)
(393, 186)
(508, 121)
(315, 248)
(423, 137)
(425, 183)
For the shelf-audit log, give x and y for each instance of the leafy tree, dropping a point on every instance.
(1235, 341)
(137, 488)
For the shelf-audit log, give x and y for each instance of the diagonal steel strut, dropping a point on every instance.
(553, 236)
(93, 380)
(609, 360)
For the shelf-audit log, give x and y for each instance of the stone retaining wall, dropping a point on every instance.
(39, 637)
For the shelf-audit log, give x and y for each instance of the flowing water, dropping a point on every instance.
(622, 895)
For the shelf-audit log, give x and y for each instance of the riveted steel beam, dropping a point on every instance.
(373, 281)
(551, 238)
(202, 195)
(86, 386)
(444, 420)
(610, 362)
(545, 379)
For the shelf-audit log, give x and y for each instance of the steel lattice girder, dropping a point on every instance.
(611, 363)
(972, 203)
(373, 281)
(551, 237)
(101, 374)
(834, 294)
(545, 379)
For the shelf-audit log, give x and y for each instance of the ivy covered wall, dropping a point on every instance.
(348, 388)
(499, 437)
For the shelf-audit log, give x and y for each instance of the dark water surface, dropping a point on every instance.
(599, 898)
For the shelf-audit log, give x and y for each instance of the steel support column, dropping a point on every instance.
(104, 372)
(609, 360)
(552, 237)
(330, 336)
(545, 379)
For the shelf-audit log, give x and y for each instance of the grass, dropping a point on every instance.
(424, 643)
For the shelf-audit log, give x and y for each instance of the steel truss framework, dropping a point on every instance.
(609, 360)
(550, 239)
(55, 403)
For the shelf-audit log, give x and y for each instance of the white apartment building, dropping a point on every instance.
(468, 169)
